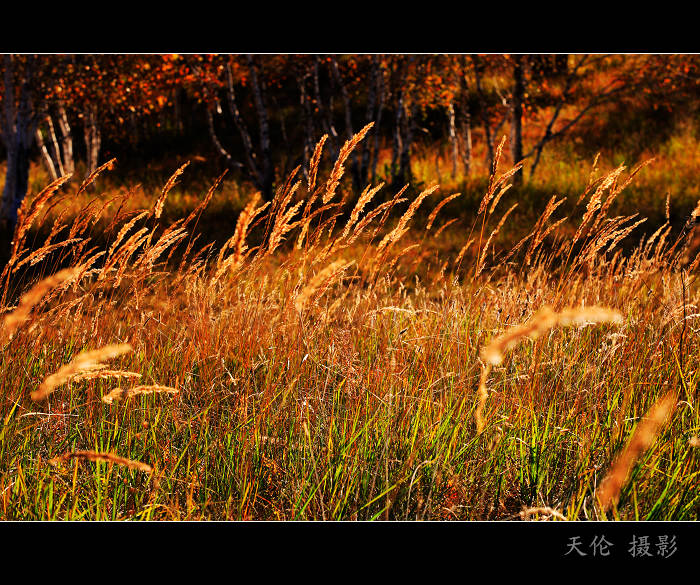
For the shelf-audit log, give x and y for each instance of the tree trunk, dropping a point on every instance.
(55, 148)
(57, 153)
(397, 145)
(16, 181)
(377, 126)
(467, 138)
(17, 137)
(307, 117)
(251, 157)
(267, 171)
(561, 63)
(66, 141)
(465, 119)
(403, 137)
(325, 113)
(177, 110)
(407, 123)
(369, 117)
(484, 114)
(516, 127)
(354, 165)
(217, 144)
(93, 138)
(453, 138)
(49, 162)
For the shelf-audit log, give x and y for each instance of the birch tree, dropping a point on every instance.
(18, 132)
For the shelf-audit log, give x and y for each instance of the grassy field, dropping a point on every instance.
(334, 355)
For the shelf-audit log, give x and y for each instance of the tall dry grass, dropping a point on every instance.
(310, 367)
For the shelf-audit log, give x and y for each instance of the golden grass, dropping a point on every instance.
(271, 339)
(540, 323)
(100, 373)
(84, 362)
(122, 393)
(338, 168)
(320, 282)
(160, 202)
(30, 299)
(642, 438)
(105, 457)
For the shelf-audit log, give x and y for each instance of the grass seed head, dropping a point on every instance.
(83, 362)
(642, 438)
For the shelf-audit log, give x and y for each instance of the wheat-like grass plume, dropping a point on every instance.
(541, 322)
(320, 282)
(160, 202)
(445, 225)
(527, 512)
(283, 224)
(338, 168)
(383, 208)
(401, 228)
(26, 214)
(90, 179)
(544, 320)
(83, 362)
(482, 258)
(237, 241)
(642, 438)
(124, 230)
(463, 250)
(38, 255)
(106, 457)
(101, 373)
(120, 393)
(313, 163)
(438, 207)
(363, 200)
(33, 296)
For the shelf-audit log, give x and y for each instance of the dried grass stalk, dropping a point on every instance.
(482, 258)
(541, 322)
(321, 282)
(526, 513)
(109, 165)
(367, 219)
(642, 438)
(83, 362)
(237, 241)
(544, 320)
(283, 224)
(160, 202)
(106, 457)
(34, 295)
(119, 393)
(313, 163)
(124, 231)
(27, 215)
(338, 168)
(401, 228)
(445, 225)
(463, 251)
(38, 255)
(101, 373)
(207, 198)
(438, 207)
(362, 201)
(482, 394)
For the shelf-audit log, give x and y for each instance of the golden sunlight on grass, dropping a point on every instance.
(319, 361)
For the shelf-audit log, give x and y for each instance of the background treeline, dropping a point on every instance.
(261, 115)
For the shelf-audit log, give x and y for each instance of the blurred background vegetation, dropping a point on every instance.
(437, 119)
